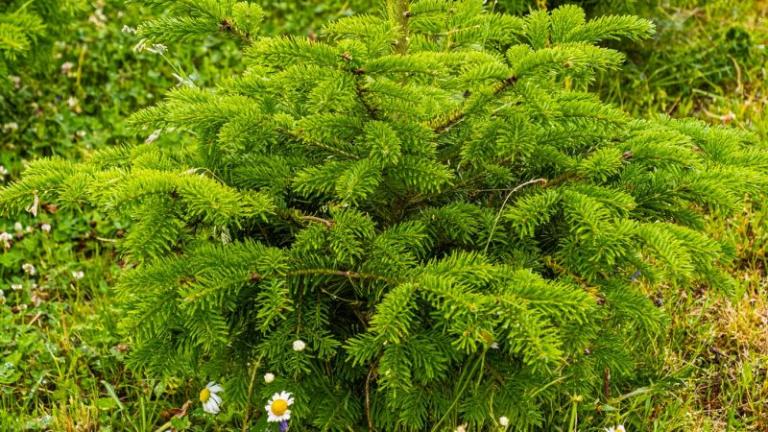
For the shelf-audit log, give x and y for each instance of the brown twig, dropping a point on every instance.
(459, 115)
(368, 398)
(329, 224)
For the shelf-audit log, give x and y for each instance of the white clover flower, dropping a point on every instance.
(17, 287)
(6, 238)
(66, 67)
(29, 269)
(299, 345)
(79, 274)
(504, 421)
(277, 408)
(10, 127)
(46, 227)
(269, 377)
(209, 396)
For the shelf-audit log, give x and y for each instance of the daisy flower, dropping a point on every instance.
(209, 397)
(277, 408)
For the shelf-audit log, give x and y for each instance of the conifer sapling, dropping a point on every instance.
(416, 221)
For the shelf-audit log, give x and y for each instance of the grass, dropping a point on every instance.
(63, 354)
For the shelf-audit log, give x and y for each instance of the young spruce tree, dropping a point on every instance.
(430, 199)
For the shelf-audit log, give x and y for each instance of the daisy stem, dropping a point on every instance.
(254, 372)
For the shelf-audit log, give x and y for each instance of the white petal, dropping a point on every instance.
(216, 397)
(210, 384)
(216, 388)
(210, 406)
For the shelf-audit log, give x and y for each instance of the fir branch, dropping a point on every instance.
(341, 273)
(461, 114)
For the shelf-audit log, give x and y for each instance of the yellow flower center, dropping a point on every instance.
(279, 407)
(205, 394)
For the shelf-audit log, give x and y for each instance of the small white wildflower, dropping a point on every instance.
(67, 67)
(495, 345)
(299, 345)
(35, 206)
(80, 134)
(157, 48)
(619, 428)
(78, 274)
(153, 137)
(18, 227)
(210, 398)
(28, 229)
(277, 407)
(461, 428)
(129, 29)
(17, 287)
(72, 102)
(3, 171)
(29, 269)
(504, 421)
(269, 377)
(10, 127)
(98, 18)
(16, 80)
(141, 46)
(46, 227)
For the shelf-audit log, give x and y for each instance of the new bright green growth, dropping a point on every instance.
(430, 199)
